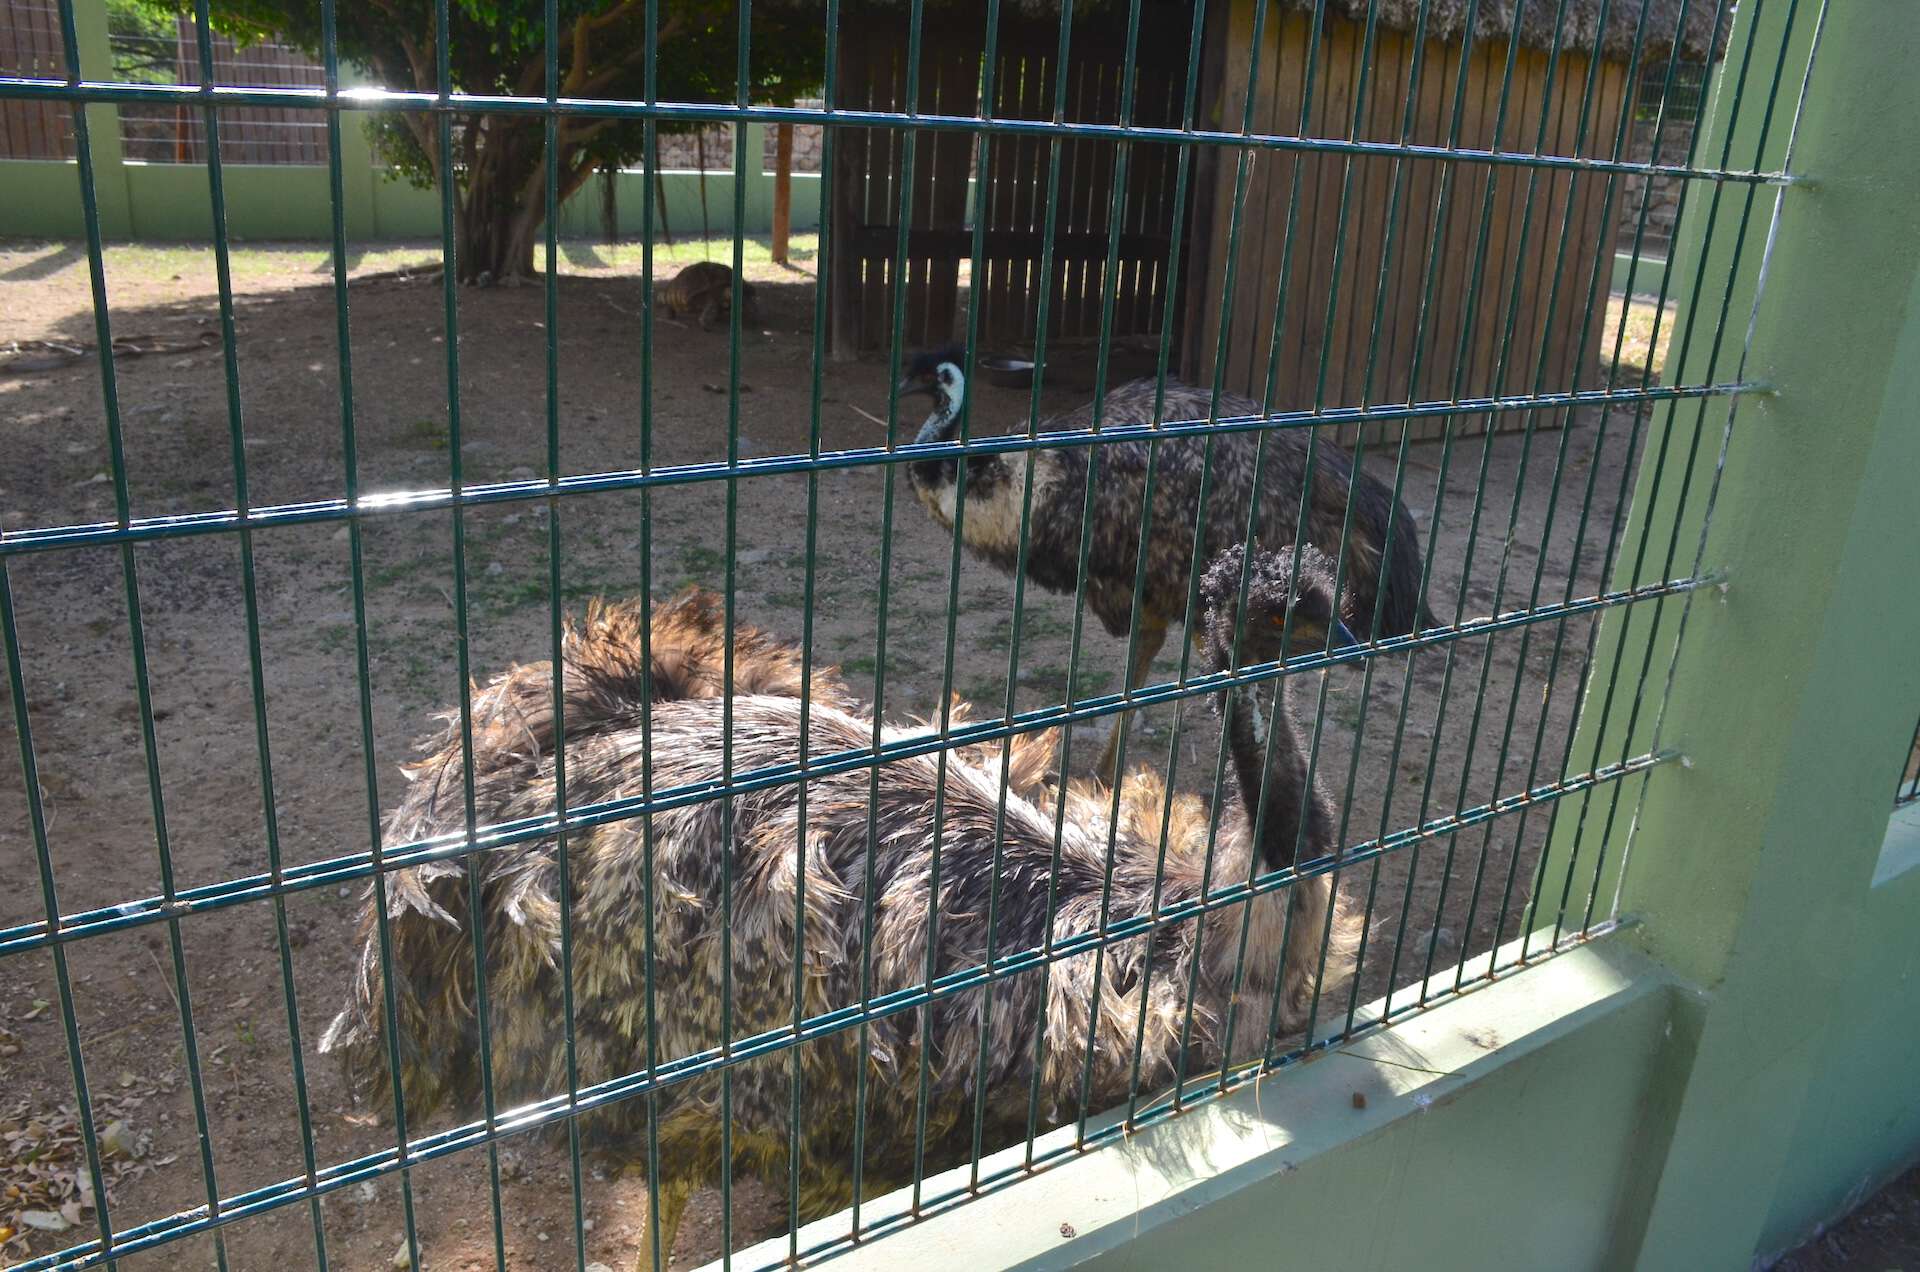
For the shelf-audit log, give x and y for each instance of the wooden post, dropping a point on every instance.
(842, 272)
(782, 190)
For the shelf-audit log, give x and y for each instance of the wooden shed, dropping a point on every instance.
(1512, 218)
(1454, 351)
(869, 165)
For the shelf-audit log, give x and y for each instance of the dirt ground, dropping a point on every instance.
(1881, 1234)
(73, 623)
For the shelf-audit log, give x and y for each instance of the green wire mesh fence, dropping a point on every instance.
(778, 936)
(1909, 788)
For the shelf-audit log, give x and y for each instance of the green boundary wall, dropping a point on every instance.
(40, 198)
(1734, 1064)
(161, 201)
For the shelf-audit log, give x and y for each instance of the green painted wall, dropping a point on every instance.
(170, 201)
(1861, 1121)
(1752, 1072)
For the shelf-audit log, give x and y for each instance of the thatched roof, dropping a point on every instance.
(1581, 27)
(1581, 32)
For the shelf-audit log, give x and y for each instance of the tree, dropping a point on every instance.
(497, 47)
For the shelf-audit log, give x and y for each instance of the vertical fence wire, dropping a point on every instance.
(363, 676)
(939, 1133)
(130, 579)
(256, 666)
(656, 1252)
(1907, 790)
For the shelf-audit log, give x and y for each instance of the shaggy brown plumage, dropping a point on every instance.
(1380, 589)
(769, 851)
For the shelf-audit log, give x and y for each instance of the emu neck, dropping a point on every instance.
(1288, 800)
(941, 426)
(941, 423)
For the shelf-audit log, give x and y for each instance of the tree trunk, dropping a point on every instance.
(495, 235)
(782, 191)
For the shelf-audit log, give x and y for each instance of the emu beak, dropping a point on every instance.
(913, 385)
(1341, 636)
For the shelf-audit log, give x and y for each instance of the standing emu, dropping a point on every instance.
(770, 852)
(1382, 575)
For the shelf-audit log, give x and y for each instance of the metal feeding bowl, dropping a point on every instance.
(1008, 373)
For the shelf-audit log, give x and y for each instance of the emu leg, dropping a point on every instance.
(1147, 643)
(674, 1196)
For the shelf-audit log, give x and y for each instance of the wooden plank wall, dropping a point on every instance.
(248, 134)
(30, 46)
(868, 165)
(1454, 350)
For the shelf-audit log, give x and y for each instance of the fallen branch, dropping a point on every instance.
(33, 356)
(404, 274)
(869, 416)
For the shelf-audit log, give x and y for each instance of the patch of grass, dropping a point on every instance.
(986, 693)
(419, 679)
(1637, 343)
(897, 664)
(397, 572)
(1034, 626)
(756, 255)
(697, 559)
(193, 266)
(503, 593)
(429, 433)
(1091, 681)
(1037, 623)
(1053, 679)
(1050, 678)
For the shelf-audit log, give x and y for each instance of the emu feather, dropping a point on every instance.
(770, 852)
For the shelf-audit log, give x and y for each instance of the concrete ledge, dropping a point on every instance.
(1901, 850)
(1459, 1104)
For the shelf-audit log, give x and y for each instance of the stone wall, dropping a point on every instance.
(682, 151)
(1684, 104)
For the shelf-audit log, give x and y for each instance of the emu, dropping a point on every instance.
(770, 851)
(1380, 588)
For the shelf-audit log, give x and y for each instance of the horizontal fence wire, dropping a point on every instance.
(1375, 205)
(372, 99)
(139, 529)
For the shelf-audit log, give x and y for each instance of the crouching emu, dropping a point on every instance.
(513, 763)
(1379, 592)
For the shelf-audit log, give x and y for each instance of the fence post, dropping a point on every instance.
(1792, 696)
(103, 123)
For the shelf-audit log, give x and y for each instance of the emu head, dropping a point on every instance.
(936, 373)
(1296, 582)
